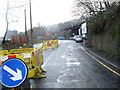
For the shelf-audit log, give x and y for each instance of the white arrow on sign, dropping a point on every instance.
(17, 75)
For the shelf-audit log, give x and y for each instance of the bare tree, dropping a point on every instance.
(8, 8)
(7, 22)
(101, 7)
(88, 8)
(107, 4)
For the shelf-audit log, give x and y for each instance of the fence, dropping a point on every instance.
(21, 39)
(31, 56)
(50, 44)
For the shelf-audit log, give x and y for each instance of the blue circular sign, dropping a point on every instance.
(13, 72)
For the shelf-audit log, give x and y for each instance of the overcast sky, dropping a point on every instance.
(44, 12)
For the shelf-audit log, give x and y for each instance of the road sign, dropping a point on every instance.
(13, 72)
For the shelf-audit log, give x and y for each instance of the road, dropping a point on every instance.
(69, 66)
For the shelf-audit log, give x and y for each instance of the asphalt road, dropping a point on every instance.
(68, 66)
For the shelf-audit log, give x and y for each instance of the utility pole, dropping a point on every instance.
(31, 22)
(25, 22)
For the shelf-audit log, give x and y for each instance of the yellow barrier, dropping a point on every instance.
(54, 43)
(5, 52)
(50, 44)
(31, 56)
(44, 47)
(3, 56)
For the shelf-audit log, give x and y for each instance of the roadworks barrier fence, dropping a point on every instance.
(32, 57)
(49, 44)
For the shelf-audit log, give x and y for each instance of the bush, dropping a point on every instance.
(103, 21)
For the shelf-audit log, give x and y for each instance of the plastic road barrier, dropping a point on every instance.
(44, 47)
(32, 57)
(50, 44)
(54, 43)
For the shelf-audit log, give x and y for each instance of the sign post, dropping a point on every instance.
(13, 72)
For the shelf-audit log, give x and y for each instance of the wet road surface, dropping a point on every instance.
(68, 66)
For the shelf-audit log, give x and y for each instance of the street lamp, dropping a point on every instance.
(25, 22)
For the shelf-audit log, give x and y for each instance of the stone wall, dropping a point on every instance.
(108, 42)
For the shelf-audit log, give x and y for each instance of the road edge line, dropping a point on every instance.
(102, 63)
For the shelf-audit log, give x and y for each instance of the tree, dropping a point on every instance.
(107, 4)
(7, 22)
(88, 9)
(7, 14)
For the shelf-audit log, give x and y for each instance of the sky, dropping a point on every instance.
(44, 12)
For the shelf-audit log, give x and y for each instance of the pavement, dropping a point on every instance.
(104, 58)
(69, 66)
